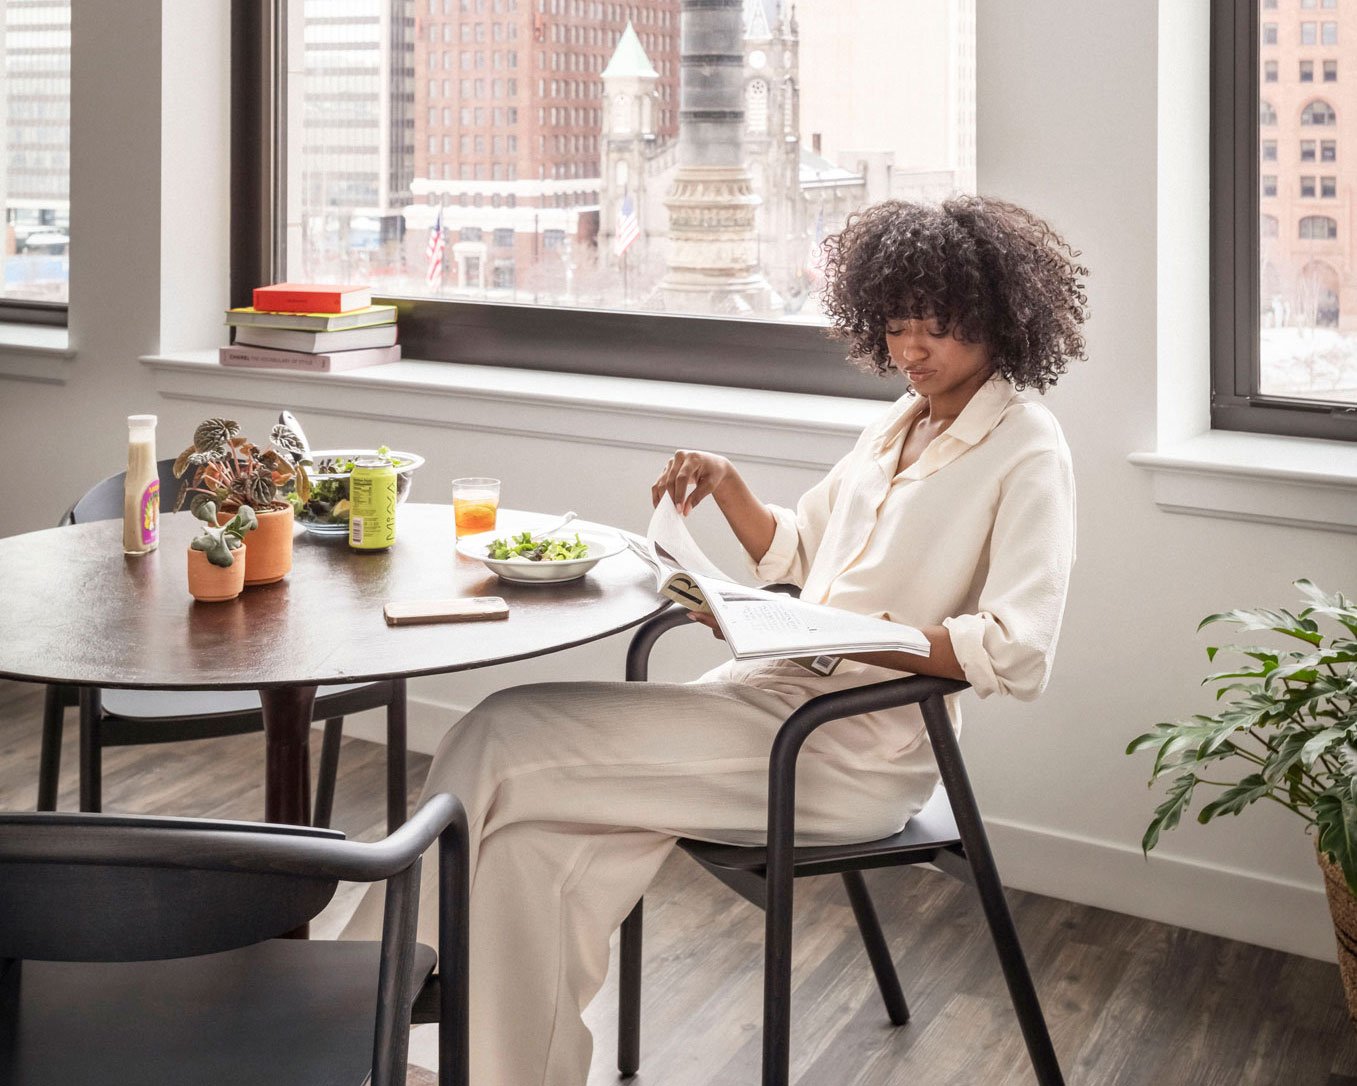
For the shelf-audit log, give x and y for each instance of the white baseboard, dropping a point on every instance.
(1228, 902)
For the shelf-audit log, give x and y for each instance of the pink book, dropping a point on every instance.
(336, 361)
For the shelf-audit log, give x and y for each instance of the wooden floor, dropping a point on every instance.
(1129, 1002)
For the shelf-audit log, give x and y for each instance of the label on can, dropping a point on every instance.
(150, 514)
(372, 504)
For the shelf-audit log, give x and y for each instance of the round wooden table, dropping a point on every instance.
(74, 609)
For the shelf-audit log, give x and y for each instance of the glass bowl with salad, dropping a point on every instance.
(326, 512)
(517, 553)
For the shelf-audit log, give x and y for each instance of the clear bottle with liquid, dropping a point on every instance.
(141, 493)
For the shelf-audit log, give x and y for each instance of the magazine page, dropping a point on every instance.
(675, 546)
(765, 624)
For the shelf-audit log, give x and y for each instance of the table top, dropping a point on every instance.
(74, 609)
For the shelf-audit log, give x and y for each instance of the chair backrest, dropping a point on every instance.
(104, 500)
(103, 888)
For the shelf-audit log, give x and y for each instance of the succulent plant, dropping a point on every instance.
(216, 542)
(230, 471)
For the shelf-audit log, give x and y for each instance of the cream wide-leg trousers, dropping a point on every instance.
(575, 794)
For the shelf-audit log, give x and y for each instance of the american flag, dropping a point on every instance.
(434, 274)
(628, 226)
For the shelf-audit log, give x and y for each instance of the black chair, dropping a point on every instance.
(139, 950)
(947, 833)
(136, 717)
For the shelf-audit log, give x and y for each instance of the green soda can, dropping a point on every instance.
(372, 504)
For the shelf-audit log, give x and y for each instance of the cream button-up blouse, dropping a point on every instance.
(977, 536)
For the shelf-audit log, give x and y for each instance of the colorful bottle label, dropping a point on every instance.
(150, 514)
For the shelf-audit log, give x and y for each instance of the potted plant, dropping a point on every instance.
(216, 556)
(231, 471)
(1286, 732)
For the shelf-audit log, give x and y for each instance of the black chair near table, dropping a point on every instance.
(139, 950)
(135, 717)
(947, 833)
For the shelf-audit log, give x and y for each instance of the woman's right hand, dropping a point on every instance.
(689, 477)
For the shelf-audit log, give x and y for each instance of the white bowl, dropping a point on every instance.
(603, 543)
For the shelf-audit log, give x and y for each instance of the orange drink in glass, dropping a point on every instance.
(475, 502)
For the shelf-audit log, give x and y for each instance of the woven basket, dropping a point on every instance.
(1343, 910)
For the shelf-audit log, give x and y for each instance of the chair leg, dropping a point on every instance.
(975, 844)
(629, 993)
(49, 765)
(91, 749)
(397, 798)
(329, 769)
(777, 981)
(1020, 987)
(877, 951)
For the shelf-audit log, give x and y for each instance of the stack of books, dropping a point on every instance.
(303, 326)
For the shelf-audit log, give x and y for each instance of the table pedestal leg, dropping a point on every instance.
(287, 753)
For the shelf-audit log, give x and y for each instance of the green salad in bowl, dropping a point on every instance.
(326, 510)
(524, 546)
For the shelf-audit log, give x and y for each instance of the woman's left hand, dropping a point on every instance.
(708, 621)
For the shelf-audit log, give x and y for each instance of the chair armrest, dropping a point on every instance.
(209, 846)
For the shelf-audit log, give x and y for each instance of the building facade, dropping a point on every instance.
(1308, 151)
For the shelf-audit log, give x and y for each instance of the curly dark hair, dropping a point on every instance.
(987, 271)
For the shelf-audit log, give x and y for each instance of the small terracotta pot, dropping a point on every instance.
(269, 545)
(213, 584)
(1343, 912)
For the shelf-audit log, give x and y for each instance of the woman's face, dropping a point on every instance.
(936, 361)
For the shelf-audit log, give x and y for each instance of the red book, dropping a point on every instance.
(310, 298)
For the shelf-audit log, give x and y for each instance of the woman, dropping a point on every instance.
(953, 513)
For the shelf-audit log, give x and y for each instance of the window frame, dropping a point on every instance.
(770, 355)
(1235, 244)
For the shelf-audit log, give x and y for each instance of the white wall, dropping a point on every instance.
(1069, 121)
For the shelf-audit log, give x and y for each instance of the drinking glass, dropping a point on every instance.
(475, 502)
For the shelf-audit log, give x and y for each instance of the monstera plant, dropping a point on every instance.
(1286, 732)
(231, 471)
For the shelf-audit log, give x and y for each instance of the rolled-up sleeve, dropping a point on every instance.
(1007, 645)
(798, 532)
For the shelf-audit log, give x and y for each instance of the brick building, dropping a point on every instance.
(1308, 147)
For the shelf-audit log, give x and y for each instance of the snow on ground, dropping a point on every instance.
(1309, 362)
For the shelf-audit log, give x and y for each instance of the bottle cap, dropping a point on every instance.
(141, 420)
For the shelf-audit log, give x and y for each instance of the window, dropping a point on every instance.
(1307, 34)
(1329, 34)
(1270, 71)
(1279, 330)
(1307, 72)
(1269, 33)
(1318, 228)
(35, 184)
(504, 238)
(1318, 112)
(1331, 71)
(369, 210)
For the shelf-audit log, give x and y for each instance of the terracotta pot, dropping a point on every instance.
(212, 584)
(1343, 911)
(269, 545)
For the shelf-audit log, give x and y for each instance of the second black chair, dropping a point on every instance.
(136, 717)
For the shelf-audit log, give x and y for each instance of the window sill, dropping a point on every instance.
(34, 352)
(784, 428)
(1294, 481)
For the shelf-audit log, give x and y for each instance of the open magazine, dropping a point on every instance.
(757, 623)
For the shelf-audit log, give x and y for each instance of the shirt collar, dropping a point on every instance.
(977, 418)
(981, 414)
